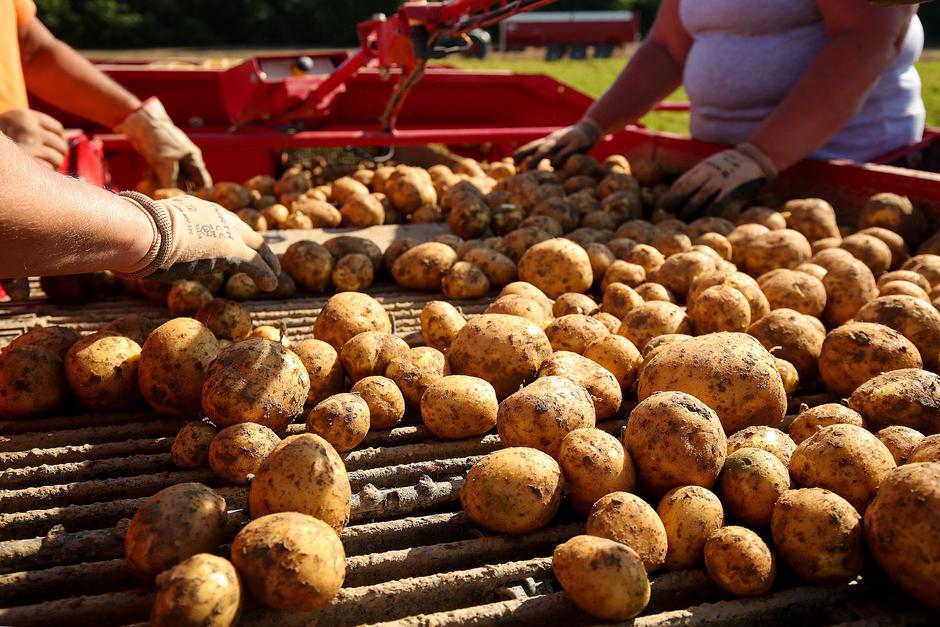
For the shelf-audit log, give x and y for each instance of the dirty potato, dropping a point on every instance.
(599, 382)
(186, 297)
(385, 401)
(915, 319)
(342, 420)
(595, 464)
(191, 446)
(769, 439)
(368, 354)
(416, 369)
(348, 314)
(618, 356)
(498, 268)
(812, 420)
(238, 451)
(463, 281)
(690, 514)
(628, 519)
(750, 483)
(459, 406)
(423, 267)
(174, 363)
(858, 351)
(574, 332)
(720, 308)
(792, 336)
(574, 303)
(440, 323)
(102, 370)
(849, 285)
(652, 319)
(543, 413)
(901, 441)
(324, 369)
(202, 591)
(739, 561)
(227, 319)
(557, 266)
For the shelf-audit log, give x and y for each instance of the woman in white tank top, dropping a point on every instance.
(780, 80)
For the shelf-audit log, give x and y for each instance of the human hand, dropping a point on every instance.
(714, 183)
(41, 135)
(172, 156)
(561, 144)
(195, 236)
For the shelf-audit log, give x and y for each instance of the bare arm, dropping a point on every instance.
(654, 72)
(53, 224)
(863, 41)
(59, 75)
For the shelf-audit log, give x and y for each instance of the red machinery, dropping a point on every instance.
(574, 30)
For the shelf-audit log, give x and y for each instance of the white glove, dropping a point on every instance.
(561, 144)
(715, 182)
(170, 153)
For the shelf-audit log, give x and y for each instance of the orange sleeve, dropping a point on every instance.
(25, 11)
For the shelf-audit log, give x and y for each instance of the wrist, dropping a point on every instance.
(765, 162)
(591, 128)
(150, 247)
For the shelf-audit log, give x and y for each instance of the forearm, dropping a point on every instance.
(53, 224)
(830, 92)
(59, 75)
(652, 74)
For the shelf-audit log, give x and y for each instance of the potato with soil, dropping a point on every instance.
(361, 210)
(557, 266)
(870, 250)
(792, 336)
(302, 474)
(343, 245)
(604, 578)
(191, 446)
(543, 413)
(415, 370)
(769, 439)
(56, 339)
(386, 402)
(730, 372)
(174, 363)
(368, 354)
(346, 315)
(573, 303)
(408, 188)
(902, 288)
(813, 217)
(812, 420)
(523, 307)
(290, 560)
(652, 319)
(423, 267)
(172, 525)
(342, 420)
(674, 439)
(895, 213)
(256, 380)
(927, 450)
(623, 272)
(595, 464)
(646, 256)
(795, 290)
(459, 406)
(102, 370)
(628, 519)
(750, 483)
(680, 270)
(619, 299)
(238, 451)
(901, 441)
(498, 268)
(440, 323)
(912, 317)
(227, 319)
(739, 561)
(720, 308)
(309, 264)
(858, 351)
(202, 591)
(574, 332)
(849, 286)
(739, 281)
(600, 383)
(617, 355)
(353, 273)
(784, 248)
(469, 215)
(506, 351)
(324, 368)
(513, 490)
(690, 514)
(463, 281)
(845, 459)
(186, 297)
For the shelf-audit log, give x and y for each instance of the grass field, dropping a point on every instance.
(594, 75)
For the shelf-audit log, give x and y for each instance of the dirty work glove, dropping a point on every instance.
(40, 135)
(171, 155)
(561, 144)
(714, 183)
(194, 236)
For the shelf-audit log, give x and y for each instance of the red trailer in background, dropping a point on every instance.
(570, 31)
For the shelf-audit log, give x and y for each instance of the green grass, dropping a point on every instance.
(592, 77)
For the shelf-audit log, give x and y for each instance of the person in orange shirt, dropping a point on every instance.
(33, 61)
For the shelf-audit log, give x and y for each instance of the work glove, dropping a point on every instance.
(40, 135)
(717, 182)
(560, 145)
(194, 236)
(172, 157)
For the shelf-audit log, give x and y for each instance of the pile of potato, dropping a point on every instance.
(712, 327)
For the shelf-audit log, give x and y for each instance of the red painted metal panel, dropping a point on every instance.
(522, 34)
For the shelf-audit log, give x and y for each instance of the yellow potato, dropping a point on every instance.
(599, 382)
(415, 370)
(227, 319)
(459, 406)
(574, 332)
(324, 369)
(679, 271)
(191, 446)
(348, 314)
(652, 319)
(912, 317)
(202, 591)
(901, 441)
(463, 281)
(571, 303)
(739, 561)
(369, 353)
(720, 308)
(174, 363)
(385, 401)
(309, 264)
(56, 339)
(186, 297)
(595, 464)
(557, 266)
(858, 351)
(792, 336)
(499, 269)
(849, 285)
(813, 217)
(542, 414)
(896, 213)
(751, 482)
(795, 290)
(618, 356)
(440, 323)
(690, 514)
(927, 450)
(342, 420)
(620, 299)
(769, 439)
(628, 519)
(101, 369)
(238, 451)
(811, 420)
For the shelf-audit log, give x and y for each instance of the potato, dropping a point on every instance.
(730, 372)
(845, 459)
(523, 307)
(901, 527)
(827, 257)
(628, 519)
(191, 446)
(870, 250)
(459, 406)
(679, 272)
(302, 474)
(654, 291)
(574, 332)
(173, 366)
(276, 215)
(506, 351)
(253, 218)
(408, 188)
(32, 381)
(604, 578)
(499, 269)
(895, 213)
(571, 303)
(611, 322)
(528, 290)
(385, 401)
(912, 317)
(369, 353)
(811, 420)
(670, 243)
(648, 320)
(416, 369)
(812, 269)
(515, 243)
(101, 369)
(293, 180)
(396, 249)
(202, 591)
(617, 355)
(619, 299)
(361, 210)
(901, 441)
(225, 318)
(738, 280)
(674, 439)
(256, 380)
(297, 220)
(464, 280)
(557, 266)
(513, 490)
(926, 265)
(849, 285)
(793, 336)
(343, 245)
(237, 451)
(690, 514)
(600, 257)
(813, 217)
(902, 288)
(346, 315)
(342, 420)
(324, 369)
(858, 351)
(623, 272)
(232, 196)
(353, 273)
(769, 439)
(469, 216)
(542, 413)
(600, 383)
(750, 483)
(594, 464)
(739, 561)
(783, 248)
(268, 332)
(717, 242)
(56, 339)
(172, 525)
(309, 264)
(290, 560)
(927, 450)
(797, 291)
(646, 256)
(186, 297)
(440, 323)
(720, 308)
(241, 287)
(762, 215)
(826, 243)
(423, 266)
(345, 188)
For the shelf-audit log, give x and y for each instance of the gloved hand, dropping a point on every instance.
(714, 183)
(561, 144)
(194, 236)
(40, 135)
(171, 155)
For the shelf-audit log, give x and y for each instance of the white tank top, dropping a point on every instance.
(746, 55)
